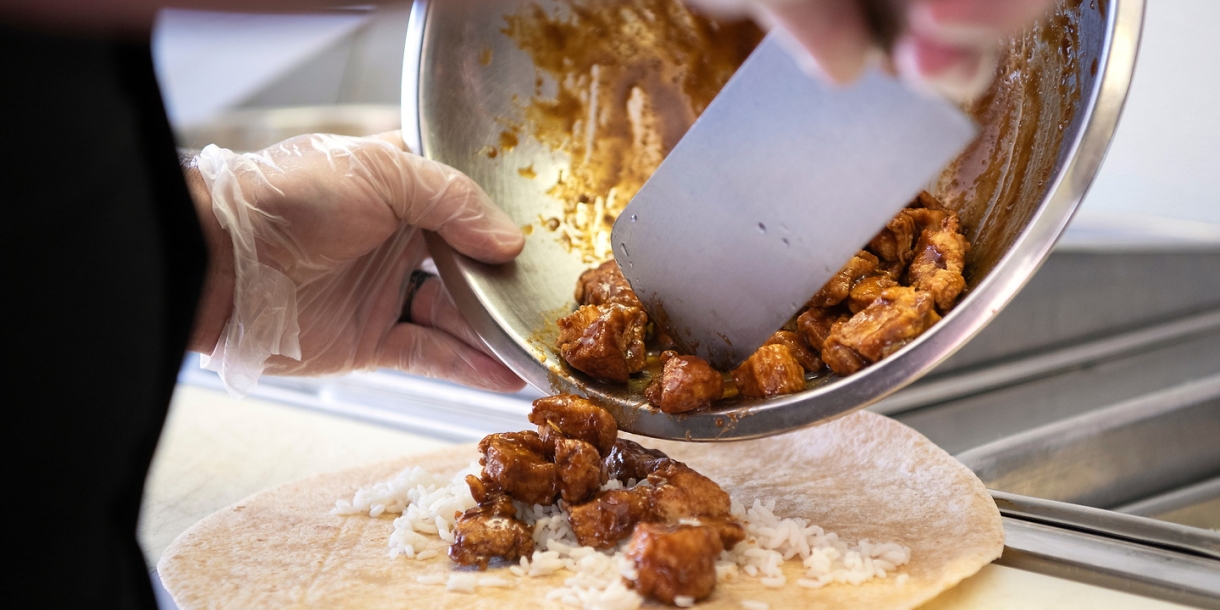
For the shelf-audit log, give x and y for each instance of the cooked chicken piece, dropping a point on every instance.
(730, 530)
(674, 561)
(867, 290)
(925, 218)
(490, 530)
(770, 371)
(897, 316)
(609, 517)
(605, 284)
(678, 492)
(516, 463)
(940, 258)
(604, 341)
(686, 383)
(841, 359)
(929, 201)
(574, 417)
(629, 460)
(894, 270)
(480, 490)
(893, 244)
(660, 339)
(861, 265)
(815, 323)
(804, 356)
(580, 470)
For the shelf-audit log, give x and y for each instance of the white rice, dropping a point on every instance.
(428, 504)
(771, 541)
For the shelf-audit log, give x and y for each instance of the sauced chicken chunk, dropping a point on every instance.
(861, 265)
(928, 200)
(897, 316)
(629, 460)
(896, 242)
(577, 418)
(686, 383)
(842, 359)
(605, 284)
(516, 463)
(867, 290)
(893, 244)
(609, 517)
(770, 371)
(815, 324)
(729, 529)
(489, 530)
(580, 469)
(940, 258)
(673, 561)
(804, 356)
(678, 492)
(604, 341)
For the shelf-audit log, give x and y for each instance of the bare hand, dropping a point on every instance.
(948, 45)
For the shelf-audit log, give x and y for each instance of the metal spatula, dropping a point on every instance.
(776, 186)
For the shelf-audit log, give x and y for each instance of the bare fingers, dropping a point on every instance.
(834, 32)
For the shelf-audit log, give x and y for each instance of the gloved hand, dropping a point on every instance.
(324, 232)
(948, 46)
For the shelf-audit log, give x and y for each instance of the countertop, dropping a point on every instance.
(216, 450)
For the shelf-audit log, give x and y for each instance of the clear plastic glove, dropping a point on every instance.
(948, 46)
(325, 232)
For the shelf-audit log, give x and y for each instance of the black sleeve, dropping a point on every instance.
(102, 266)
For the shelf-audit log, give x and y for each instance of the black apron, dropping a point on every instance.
(102, 264)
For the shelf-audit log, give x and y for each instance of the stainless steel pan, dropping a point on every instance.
(1047, 124)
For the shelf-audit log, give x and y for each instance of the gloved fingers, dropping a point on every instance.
(834, 32)
(434, 353)
(461, 222)
(433, 306)
(442, 199)
(393, 137)
(433, 196)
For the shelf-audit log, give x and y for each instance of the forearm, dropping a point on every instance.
(216, 299)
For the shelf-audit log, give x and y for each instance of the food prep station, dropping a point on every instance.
(1090, 406)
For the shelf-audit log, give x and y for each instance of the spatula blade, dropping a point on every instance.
(776, 186)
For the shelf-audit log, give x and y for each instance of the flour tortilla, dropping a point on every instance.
(862, 476)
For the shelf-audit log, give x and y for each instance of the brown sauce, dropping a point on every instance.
(630, 78)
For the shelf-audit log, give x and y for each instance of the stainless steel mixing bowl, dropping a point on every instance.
(1047, 124)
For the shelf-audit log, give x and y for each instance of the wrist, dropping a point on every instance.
(216, 299)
